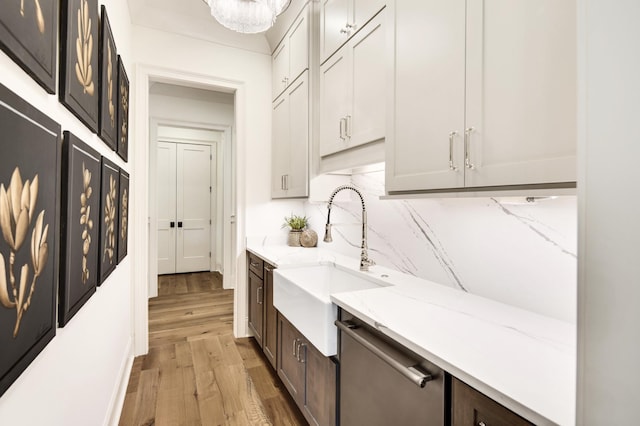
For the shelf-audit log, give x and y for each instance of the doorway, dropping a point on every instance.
(234, 182)
(191, 161)
(187, 199)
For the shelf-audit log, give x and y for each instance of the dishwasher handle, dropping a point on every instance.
(411, 373)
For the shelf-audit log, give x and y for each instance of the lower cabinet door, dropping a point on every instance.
(256, 303)
(269, 338)
(290, 368)
(320, 396)
(470, 407)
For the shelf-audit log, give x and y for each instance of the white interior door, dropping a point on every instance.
(166, 181)
(193, 206)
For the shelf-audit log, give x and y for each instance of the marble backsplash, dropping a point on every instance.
(507, 249)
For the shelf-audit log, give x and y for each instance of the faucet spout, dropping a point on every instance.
(365, 261)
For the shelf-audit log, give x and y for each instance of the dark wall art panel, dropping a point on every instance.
(123, 216)
(79, 226)
(108, 84)
(108, 247)
(29, 35)
(123, 111)
(29, 221)
(79, 72)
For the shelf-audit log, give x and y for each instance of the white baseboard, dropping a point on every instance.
(119, 392)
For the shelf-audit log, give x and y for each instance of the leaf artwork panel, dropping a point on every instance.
(109, 202)
(81, 167)
(79, 60)
(29, 35)
(123, 111)
(29, 228)
(123, 216)
(108, 84)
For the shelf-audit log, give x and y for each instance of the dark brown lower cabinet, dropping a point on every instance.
(472, 408)
(256, 305)
(262, 313)
(270, 319)
(308, 375)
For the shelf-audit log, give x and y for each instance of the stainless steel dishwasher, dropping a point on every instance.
(384, 383)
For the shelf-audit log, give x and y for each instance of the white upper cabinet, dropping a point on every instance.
(483, 94)
(352, 112)
(341, 19)
(291, 57)
(290, 142)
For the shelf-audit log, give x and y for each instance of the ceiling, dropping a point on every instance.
(192, 18)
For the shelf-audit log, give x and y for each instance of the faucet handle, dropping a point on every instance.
(365, 262)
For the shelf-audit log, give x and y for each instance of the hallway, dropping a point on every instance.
(196, 372)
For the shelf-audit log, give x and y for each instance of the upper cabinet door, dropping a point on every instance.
(334, 103)
(291, 57)
(298, 37)
(280, 68)
(362, 11)
(366, 122)
(297, 181)
(334, 19)
(425, 115)
(521, 92)
(280, 146)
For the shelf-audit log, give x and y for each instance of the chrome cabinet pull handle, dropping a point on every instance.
(259, 294)
(467, 156)
(268, 269)
(294, 341)
(345, 30)
(298, 349)
(254, 264)
(347, 127)
(452, 167)
(302, 359)
(343, 126)
(286, 182)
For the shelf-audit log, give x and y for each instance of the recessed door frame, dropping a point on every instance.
(220, 207)
(234, 262)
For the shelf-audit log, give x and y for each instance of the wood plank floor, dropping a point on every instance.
(196, 372)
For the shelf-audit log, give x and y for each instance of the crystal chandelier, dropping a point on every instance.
(247, 16)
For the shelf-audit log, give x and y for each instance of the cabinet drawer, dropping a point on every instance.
(470, 407)
(256, 265)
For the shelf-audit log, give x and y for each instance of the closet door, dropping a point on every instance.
(193, 204)
(166, 179)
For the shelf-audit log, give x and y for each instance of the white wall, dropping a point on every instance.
(609, 213)
(75, 380)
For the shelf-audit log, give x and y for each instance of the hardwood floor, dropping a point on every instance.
(196, 372)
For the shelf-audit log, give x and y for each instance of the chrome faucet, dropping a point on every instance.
(365, 262)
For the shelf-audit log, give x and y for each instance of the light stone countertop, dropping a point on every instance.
(523, 360)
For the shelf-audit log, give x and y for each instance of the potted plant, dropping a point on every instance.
(296, 225)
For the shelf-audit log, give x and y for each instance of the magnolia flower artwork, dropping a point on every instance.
(17, 208)
(84, 49)
(124, 215)
(123, 111)
(28, 34)
(85, 221)
(110, 209)
(108, 129)
(80, 210)
(79, 70)
(39, 14)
